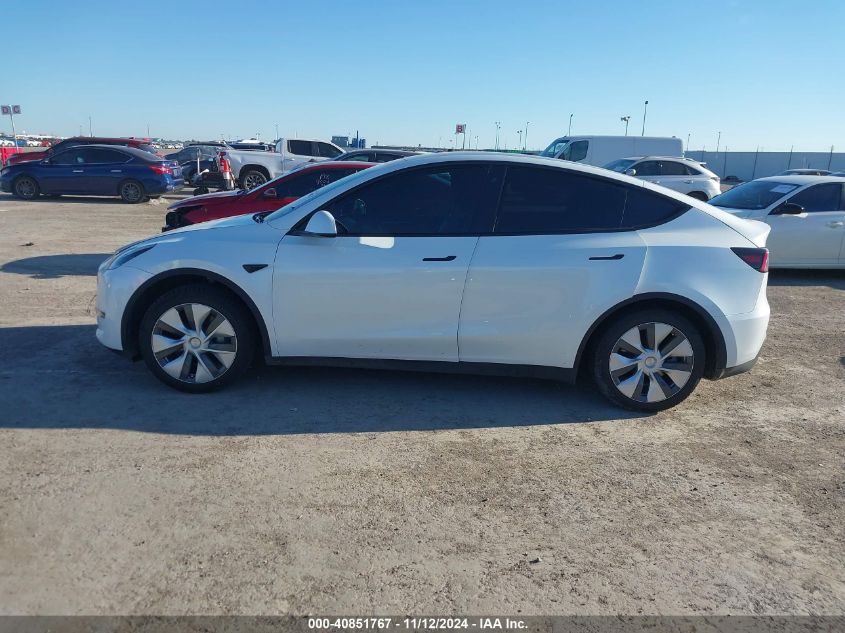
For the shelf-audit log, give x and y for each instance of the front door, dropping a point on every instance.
(65, 173)
(390, 285)
(813, 237)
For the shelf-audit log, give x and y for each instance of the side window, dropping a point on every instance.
(327, 151)
(452, 200)
(647, 168)
(546, 201)
(97, 156)
(382, 157)
(577, 150)
(646, 208)
(300, 148)
(827, 197)
(692, 171)
(671, 168)
(70, 157)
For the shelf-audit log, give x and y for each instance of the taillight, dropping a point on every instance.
(757, 258)
(160, 169)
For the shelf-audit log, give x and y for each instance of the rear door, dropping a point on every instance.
(813, 237)
(390, 284)
(556, 260)
(648, 170)
(104, 170)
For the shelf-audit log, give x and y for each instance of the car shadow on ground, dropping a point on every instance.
(66, 199)
(55, 266)
(833, 278)
(63, 379)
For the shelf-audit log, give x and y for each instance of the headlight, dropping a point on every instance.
(122, 256)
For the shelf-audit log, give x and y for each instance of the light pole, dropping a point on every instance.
(519, 132)
(525, 138)
(686, 149)
(277, 131)
(570, 124)
(476, 141)
(645, 112)
(626, 119)
(718, 139)
(498, 125)
(90, 128)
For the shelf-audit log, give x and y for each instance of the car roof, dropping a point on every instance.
(108, 140)
(335, 164)
(680, 158)
(134, 151)
(801, 179)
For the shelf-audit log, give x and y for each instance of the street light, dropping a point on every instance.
(570, 124)
(525, 138)
(519, 132)
(645, 112)
(498, 127)
(626, 119)
(718, 140)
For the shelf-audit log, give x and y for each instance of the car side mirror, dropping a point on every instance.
(269, 193)
(630, 172)
(788, 208)
(321, 224)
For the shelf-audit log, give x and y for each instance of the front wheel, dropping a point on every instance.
(26, 188)
(649, 360)
(197, 338)
(698, 195)
(132, 192)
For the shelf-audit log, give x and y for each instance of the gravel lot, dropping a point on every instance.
(344, 491)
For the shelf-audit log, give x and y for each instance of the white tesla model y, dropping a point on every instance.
(476, 262)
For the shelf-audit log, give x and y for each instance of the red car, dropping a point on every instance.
(268, 197)
(25, 157)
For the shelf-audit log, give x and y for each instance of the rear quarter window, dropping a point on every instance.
(645, 208)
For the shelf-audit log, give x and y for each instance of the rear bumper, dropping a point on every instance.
(744, 336)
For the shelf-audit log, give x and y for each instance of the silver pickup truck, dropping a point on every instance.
(253, 168)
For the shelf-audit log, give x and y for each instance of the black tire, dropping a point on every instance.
(222, 303)
(698, 195)
(609, 338)
(252, 178)
(26, 187)
(132, 192)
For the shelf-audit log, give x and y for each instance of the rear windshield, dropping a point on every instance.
(148, 148)
(620, 165)
(757, 194)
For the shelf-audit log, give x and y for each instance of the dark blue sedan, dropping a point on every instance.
(94, 170)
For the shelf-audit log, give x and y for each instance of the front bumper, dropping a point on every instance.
(114, 289)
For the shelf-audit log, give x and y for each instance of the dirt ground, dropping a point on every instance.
(330, 491)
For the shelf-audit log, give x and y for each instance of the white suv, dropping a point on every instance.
(488, 263)
(679, 174)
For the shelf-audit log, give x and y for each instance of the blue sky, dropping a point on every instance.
(765, 73)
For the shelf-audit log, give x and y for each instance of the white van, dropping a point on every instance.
(600, 150)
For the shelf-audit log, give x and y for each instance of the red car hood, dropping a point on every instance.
(206, 199)
(25, 157)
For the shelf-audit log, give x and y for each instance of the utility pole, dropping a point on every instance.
(686, 149)
(645, 112)
(830, 158)
(570, 124)
(498, 125)
(718, 140)
(519, 133)
(525, 138)
(90, 128)
(626, 119)
(476, 141)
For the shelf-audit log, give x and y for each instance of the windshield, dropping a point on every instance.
(555, 148)
(620, 165)
(757, 194)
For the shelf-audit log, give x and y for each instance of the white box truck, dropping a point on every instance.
(600, 150)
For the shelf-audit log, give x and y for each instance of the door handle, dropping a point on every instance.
(607, 257)
(77, 171)
(836, 225)
(448, 258)
(689, 182)
(117, 171)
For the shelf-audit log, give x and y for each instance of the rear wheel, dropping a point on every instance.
(252, 178)
(132, 192)
(26, 188)
(197, 338)
(698, 195)
(649, 360)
